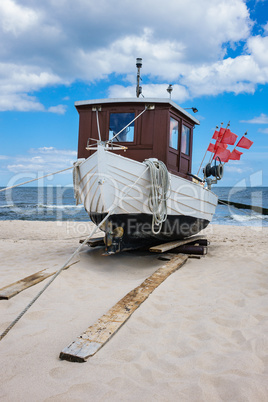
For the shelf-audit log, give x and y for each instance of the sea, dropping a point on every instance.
(58, 204)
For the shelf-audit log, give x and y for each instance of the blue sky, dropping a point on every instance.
(53, 53)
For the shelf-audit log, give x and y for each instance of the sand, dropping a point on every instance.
(202, 335)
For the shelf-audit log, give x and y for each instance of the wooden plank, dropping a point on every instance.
(190, 249)
(14, 288)
(97, 241)
(98, 334)
(162, 248)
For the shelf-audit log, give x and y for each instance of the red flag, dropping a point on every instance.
(229, 137)
(235, 155)
(223, 154)
(221, 132)
(215, 135)
(244, 143)
(220, 145)
(214, 147)
(211, 148)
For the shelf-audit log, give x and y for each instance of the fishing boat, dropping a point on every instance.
(133, 172)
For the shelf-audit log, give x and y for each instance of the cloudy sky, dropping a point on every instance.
(55, 52)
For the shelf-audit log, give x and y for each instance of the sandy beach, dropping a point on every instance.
(202, 335)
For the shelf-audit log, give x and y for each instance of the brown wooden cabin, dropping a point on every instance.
(164, 131)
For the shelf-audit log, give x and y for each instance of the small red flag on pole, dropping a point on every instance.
(223, 154)
(222, 131)
(229, 137)
(244, 143)
(211, 147)
(235, 155)
(219, 144)
(215, 135)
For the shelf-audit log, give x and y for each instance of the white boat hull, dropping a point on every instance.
(110, 183)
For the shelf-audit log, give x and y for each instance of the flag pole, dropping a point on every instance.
(205, 153)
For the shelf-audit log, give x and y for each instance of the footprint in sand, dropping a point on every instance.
(59, 373)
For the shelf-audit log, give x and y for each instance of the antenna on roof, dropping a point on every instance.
(139, 66)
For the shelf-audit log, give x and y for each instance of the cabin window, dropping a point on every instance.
(117, 122)
(185, 140)
(173, 133)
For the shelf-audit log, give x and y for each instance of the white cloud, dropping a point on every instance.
(179, 92)
(59, 109)
(263, 130)
(57, 42)
(242, 166)
(43, 160)
(16, 18)
(20, 102)
(17, 80)
(262, 119)
(233, 169)
(237, 75)
(258, 48)
(52, 151)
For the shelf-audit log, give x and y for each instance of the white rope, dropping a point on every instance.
(38, 178)
(160, 184)
(69, 259)
(98, 124)
(76, 181)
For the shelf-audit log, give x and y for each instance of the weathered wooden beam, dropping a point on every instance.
(97, 241)
(162, 248)
(203, 242)
(14, 288)
(98, 334)
(190, 249)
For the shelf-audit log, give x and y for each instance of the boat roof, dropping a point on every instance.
(137, 100)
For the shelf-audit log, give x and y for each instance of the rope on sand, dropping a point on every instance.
(70, 258)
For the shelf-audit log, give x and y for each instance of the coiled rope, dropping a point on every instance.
(160, 185)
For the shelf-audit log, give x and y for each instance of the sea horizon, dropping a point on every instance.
(57, 203)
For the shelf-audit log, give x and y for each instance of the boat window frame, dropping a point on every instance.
(178, 120)
(124, 111)
(183, 124)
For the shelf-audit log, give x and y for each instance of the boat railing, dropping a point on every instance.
(106, 144)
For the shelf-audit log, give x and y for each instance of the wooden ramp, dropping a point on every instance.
(14, 288)
(162, 248)
(98, 334)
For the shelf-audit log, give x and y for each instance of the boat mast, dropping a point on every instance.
(139, 66)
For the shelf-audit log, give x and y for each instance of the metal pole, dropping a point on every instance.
(138, 65)
(205, 155)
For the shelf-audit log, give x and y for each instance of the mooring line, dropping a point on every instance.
(70, 258)
(46, 286)
(38, 178)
